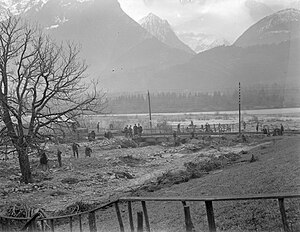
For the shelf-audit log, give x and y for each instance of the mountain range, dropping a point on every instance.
(250, 60)
(201, 42)
(127, 56)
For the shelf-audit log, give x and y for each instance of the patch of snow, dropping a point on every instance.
(81, 1)
(202, 42)
(66, 4)
(60, 21)
(18, 7)
(52, 27)
(281, 17)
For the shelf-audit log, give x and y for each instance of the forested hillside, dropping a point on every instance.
(252, 98)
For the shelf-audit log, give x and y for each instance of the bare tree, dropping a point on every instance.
(41, 84)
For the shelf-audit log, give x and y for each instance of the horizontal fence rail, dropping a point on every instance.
(209, 205)
(143, 222)
(215, 198)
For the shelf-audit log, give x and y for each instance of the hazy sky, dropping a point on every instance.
(225, 18)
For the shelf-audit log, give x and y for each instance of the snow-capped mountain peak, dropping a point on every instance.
(152, 18)
(162, 30)
(156, 26)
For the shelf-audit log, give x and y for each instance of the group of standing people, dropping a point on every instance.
(134, 131)
(44, 159)
(87, 150)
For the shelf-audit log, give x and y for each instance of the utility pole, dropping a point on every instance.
(149, 103)
(239, 109)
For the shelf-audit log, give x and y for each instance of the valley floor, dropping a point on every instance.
(113, 172)
(277, 170)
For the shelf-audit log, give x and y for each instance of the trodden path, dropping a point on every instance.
(277, 170)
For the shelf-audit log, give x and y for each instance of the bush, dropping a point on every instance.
(70, 180)
(75, 208)
(203, 166)
(21, 210)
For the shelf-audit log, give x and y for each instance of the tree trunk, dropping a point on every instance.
(24, 165)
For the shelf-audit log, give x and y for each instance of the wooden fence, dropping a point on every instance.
(143, 217)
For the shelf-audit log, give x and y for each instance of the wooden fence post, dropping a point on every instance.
(210, 216)
(92, 222)
(130, 217)
(147, 223)
(30, 223)
(71, 224)
(43, 225)
(3, 224)
(52, 225)
(188, 220)
(119, 217)
(80, 223)
(140, 222)
(283, 215)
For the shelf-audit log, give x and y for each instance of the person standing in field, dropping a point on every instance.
(59, 157)
(126, 131)
(140, 130)
(75, 149)
(257, 126)
(135, 130)
(130, 131)
(98, 127)
(88, 151)
(281, 129)
(178, 128)
(43, 160)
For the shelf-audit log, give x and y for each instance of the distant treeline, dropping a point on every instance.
(252, 98)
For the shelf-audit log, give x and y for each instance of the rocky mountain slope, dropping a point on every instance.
(223, 67)
(101, 27)
(278, 27)
(163, 31)
(106, 34)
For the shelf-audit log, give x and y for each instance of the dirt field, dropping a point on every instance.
(277, 170)
(105, 176)
(109, 174)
